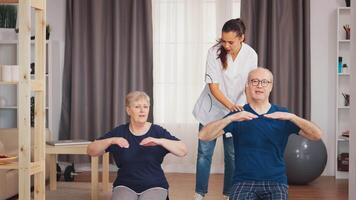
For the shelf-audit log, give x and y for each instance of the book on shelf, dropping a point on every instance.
(68, 142)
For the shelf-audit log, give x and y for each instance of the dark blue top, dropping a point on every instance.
(139, 166)
(259, 147)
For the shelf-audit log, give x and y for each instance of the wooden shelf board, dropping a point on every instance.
(8, 83)
(13, 165)
(9, 1)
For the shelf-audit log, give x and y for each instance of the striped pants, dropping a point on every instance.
(259, 190)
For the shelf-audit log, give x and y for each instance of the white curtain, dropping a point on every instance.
(183, 31)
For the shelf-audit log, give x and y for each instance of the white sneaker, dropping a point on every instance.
(198, 196)
(226, 197)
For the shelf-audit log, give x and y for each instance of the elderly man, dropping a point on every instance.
(260, 135)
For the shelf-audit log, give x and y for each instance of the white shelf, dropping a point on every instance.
(33, 76)
(342, 175)
(8, 89)
(344, 74)
(345, 8)
(8, 83)
(343, 139)
(8, 107)
(8, 41)
(342, 117)
(13, 107)
(16, 41)
(15, 82)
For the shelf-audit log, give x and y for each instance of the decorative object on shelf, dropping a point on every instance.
(345, 68)
(346, 99)
(347, 31)
(32, 68)
(339, 65)
(8, 16)
(48, 31)
(6, 73)
(346, 133)
(348, 3)
(15, 73)
(10, 73)
(3, 102)
(343, 162)
(305, 159)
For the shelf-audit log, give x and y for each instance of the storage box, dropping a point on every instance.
(343, 162)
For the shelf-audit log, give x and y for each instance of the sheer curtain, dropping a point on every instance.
(183, 31)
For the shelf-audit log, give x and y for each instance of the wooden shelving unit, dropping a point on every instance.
(26, 85)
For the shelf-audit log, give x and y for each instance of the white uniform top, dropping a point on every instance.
(231, 82)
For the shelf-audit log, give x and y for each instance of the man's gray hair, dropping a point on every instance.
(257, 69)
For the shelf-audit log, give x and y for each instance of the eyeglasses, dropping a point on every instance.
(256, 82)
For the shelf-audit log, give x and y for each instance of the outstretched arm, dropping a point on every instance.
(308, 128)
(98, 147)
(216, 128)
(176, 147)
(216, 92)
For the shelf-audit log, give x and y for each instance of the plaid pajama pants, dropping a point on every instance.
(259, 190)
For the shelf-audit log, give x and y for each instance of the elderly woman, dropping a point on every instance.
(138, 148)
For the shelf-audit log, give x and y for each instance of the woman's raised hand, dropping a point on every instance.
(121, 142)
(150, 141)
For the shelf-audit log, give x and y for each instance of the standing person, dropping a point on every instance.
(260, 134)
(138, 148)
(227, 66)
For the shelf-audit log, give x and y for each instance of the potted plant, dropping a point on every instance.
(8, 16)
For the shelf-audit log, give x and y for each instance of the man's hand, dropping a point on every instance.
(308, 129)
(150, 141)
(121, 142)
(242, 116)
(280, 115)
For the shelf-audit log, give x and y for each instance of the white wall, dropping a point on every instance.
(323, 67)
(56, 19)
(323, 61)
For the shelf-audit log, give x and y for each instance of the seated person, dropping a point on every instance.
(138, 148)
(260, 135)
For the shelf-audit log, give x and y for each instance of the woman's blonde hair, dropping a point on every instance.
(135, 96)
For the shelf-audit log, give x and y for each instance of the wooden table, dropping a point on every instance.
(53, 151)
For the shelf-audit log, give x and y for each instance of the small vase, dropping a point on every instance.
(348, 3)
(347, 35)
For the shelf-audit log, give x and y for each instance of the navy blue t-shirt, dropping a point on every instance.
(139, 166)
(259, 147)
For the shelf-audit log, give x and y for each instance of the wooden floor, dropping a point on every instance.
(182, 187)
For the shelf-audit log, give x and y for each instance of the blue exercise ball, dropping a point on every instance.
(305, 159)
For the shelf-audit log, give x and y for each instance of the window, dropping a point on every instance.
(183, 31)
